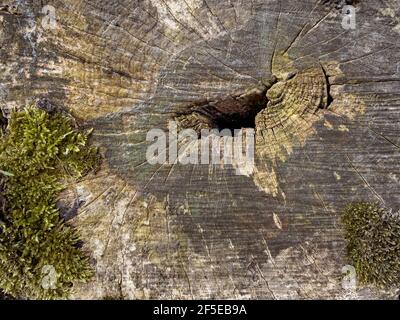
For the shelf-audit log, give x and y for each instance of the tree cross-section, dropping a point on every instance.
(327, 133)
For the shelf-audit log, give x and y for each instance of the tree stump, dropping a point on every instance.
(323, 100)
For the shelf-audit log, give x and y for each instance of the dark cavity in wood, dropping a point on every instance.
(235, 111)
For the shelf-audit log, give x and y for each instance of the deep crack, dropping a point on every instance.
(328, 87)
(232, 112)
(273, 101)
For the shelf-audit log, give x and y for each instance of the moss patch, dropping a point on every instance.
(373, 243)
(39, 254)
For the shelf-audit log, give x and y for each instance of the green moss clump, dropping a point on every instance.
(37, 152)
(373, 243)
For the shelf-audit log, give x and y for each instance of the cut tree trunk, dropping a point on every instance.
(327, 134)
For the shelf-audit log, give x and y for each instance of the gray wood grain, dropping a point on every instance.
(201, 231)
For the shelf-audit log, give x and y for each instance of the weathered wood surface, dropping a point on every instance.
(198, 231)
